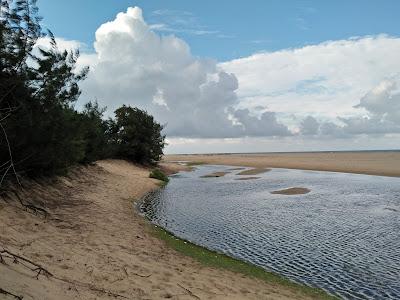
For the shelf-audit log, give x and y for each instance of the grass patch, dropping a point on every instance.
(195, 163)
(216, 260)
(160, 175)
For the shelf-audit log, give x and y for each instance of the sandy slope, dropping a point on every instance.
(98, 247)
(373, 163)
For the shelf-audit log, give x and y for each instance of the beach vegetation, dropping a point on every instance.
(159, 174)
(194, 163)
(136, 136)
(41, 131)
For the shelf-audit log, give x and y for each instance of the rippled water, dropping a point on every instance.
(342, 237)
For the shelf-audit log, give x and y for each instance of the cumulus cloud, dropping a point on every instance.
(382, 115)
(334, 89)
(382, 106)
(383, 101)
(324, 80)
(193, 96)
(309, 126)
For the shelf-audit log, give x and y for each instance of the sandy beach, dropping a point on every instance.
(372, 163)
(94, 245)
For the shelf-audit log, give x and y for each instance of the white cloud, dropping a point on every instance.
(324, 80)
(336, 89)
(176, 21)
(62, 44)
(381, 106)
(136, 66)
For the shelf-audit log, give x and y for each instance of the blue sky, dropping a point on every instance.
(229, 76)
(233, 29)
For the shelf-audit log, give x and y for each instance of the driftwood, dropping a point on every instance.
(189, 291)
(7, 293)
(17, 259)
(136, 274)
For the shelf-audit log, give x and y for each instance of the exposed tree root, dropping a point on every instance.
(26, 206)
(39, 270)
(4, 292)
(34, 267)
(91, 287)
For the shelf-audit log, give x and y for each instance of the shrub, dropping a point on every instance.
(136, 136)
(158, 174)
(41, 132)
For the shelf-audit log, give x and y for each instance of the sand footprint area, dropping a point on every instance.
(95, 245)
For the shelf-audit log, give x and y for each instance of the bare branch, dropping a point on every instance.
(34, 267)
(189, 291)
(10, 154)
(4, 292)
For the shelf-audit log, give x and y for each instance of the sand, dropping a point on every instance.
(253, 172)
(372, 163)
(215, 174)
(247, 178)
(292, 191)
(97, 246)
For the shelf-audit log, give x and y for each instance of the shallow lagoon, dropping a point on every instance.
(343, 236)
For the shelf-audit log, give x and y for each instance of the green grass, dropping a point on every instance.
(217, 260)
(195, 163)
(160, 175)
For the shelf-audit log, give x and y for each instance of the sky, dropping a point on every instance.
(243, 76)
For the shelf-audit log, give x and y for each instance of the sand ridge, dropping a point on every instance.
(215, 174)
(256, 171)
(384, 163)
(98, 247)
(292, 191)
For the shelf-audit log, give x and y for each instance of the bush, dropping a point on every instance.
(41, 132)
(158, 174)
(136, 136)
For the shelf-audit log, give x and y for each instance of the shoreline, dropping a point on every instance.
(223, 261)
(218, 260)
(378, 163)
(95, 245)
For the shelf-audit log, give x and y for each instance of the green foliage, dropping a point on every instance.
(195, 163)
(95, 132)
(41, 129)
(136, 136)
(41, 133)
(158, 174)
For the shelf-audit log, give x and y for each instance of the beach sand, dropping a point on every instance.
(253, 172)
(215, 174)
(292, 191)
(373, 163)
(97, 246)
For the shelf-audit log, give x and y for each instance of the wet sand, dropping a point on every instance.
(253, 172)
(372, 163)
(292, 191)
(96, 245)
(215, 174)
(247, 178)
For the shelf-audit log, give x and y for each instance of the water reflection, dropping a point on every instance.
(343, 236)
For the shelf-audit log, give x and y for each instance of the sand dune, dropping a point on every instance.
(96, 245)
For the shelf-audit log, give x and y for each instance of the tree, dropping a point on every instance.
(95, 132)
(136, 135)
(41, 132)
